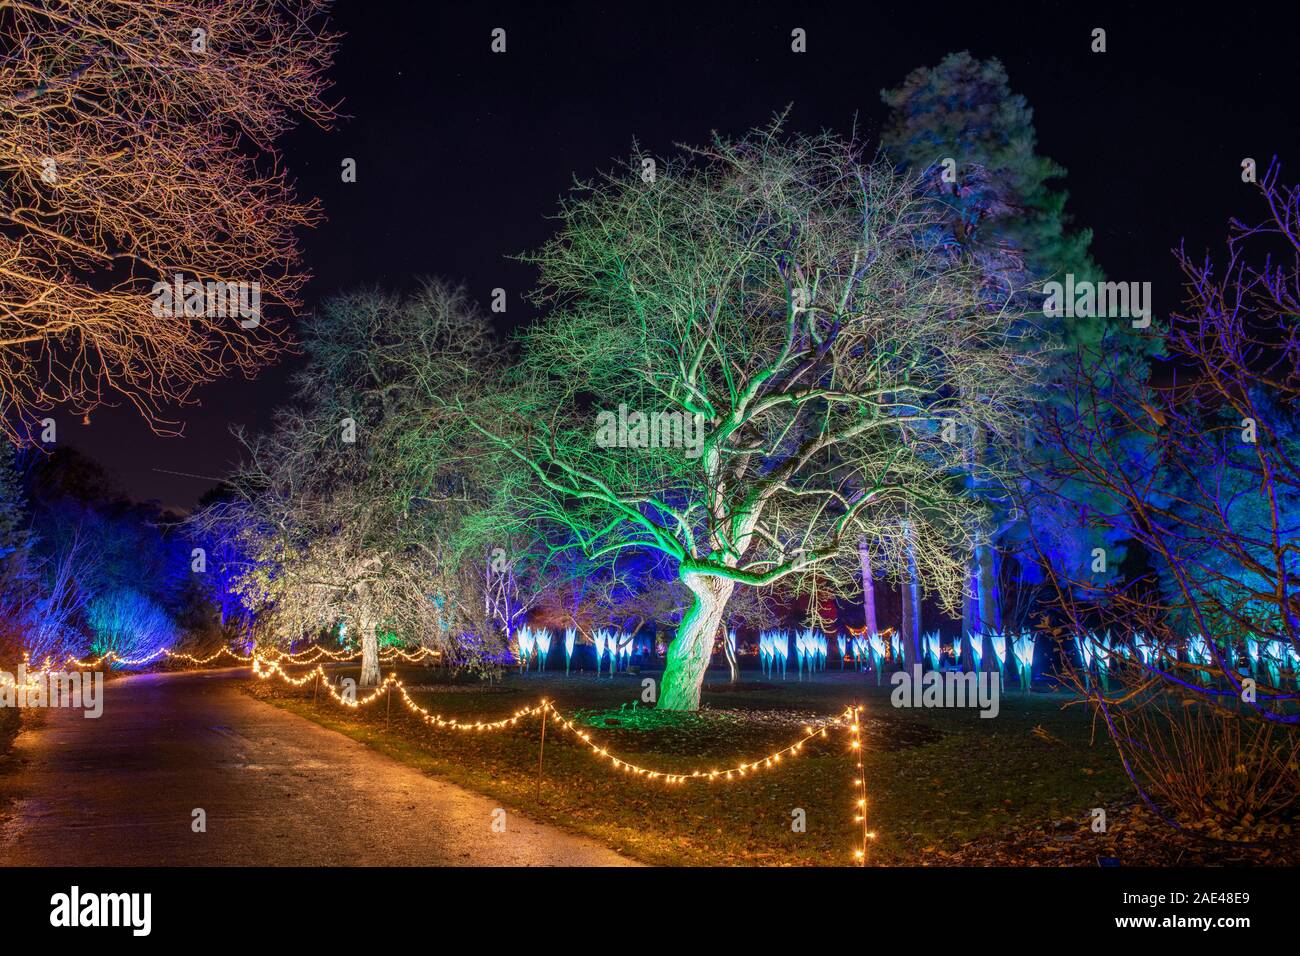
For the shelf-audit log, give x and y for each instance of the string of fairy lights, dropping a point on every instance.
(268, 664)
(301, 657)
(850, 720)
(855, 744)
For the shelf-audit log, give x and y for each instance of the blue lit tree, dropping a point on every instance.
(960, 123)
(1210, 494)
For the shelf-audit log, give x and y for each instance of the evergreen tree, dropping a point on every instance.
(960, 126)
(1003, 208)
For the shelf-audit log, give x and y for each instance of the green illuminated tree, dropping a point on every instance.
(784, 316)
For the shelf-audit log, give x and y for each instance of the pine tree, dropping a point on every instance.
(960, 126)
(960, 122)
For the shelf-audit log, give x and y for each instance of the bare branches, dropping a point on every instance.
(792, 300)
(136, 145)
(1190, 659)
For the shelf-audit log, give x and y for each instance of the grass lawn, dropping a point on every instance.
(943, 785)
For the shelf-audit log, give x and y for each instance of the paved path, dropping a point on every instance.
(278, 790)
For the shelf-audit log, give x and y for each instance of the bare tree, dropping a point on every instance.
(1205, 472)
(782, 317)
(136, 145)
(340, 522)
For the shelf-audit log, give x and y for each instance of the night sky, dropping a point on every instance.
(462, 154)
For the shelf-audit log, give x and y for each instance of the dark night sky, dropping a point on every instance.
(463, 154)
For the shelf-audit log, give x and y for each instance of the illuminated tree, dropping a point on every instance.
(960, 126)
(621, 591)
(15, 522)
(19, 584)
(135, 146)
(998, 192)
(225, 564)
(128, 623)
(337, 526)
(1209, 489)
(491, 535)
(789, 308)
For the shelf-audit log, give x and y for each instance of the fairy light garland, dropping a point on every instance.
(298, 658)
(33, 677)
(850, 720)
(860, 782)
(730, 773)
(265, 668)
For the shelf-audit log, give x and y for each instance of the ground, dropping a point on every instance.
(275, 790)
(944, 786)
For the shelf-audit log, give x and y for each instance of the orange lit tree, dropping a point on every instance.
(136, 144)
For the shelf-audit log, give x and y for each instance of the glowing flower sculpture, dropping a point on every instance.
(1198, 652)
(1083, 644)
(976, 650)
(781, 648)
(614, 646)
(1023, 648)
(823, 649)
(933, 649)
(878, 654)
(998, 642)
(525, 640)
(1273, 656)
(570, 639)
(1144, 647)
(766, 652)
(805, 650)
(598, 639)
(542, 641)
(1102, 651)
(1252, 652)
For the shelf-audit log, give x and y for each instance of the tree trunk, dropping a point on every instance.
(868, 588)
(997, 589)
(968, 612)
(731, 658)
(985, 568)
(986, 571)
(689, 653)
(369, 654)
(911, 618)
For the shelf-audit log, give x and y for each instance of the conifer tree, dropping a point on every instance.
(974, 140)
